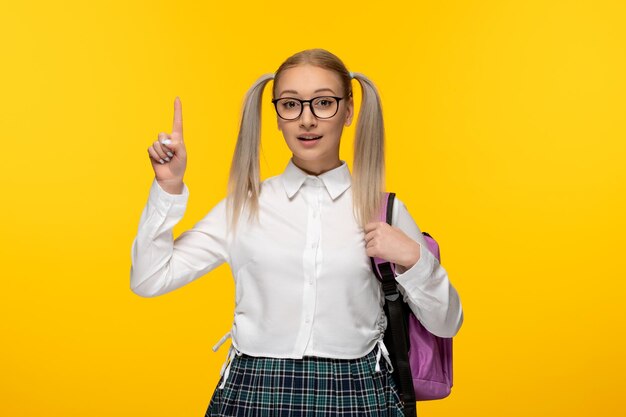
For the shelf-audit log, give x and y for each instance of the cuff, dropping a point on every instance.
(419, 273)
(165, 202)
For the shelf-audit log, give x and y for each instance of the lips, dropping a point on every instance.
(308, 137)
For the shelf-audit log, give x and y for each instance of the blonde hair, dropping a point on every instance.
(368, 182)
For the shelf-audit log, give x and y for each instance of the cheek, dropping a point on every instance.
(286, 127)
(288, 137)
(337, 127)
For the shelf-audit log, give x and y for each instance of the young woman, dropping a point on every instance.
(307, 335)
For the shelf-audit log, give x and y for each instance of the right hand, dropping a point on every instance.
(170, 172)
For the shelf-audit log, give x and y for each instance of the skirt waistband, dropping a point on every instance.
(380, 351)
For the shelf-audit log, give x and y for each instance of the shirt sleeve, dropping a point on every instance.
(425, 286)
(160, 264)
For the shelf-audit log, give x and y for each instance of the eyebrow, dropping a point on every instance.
(316, 91)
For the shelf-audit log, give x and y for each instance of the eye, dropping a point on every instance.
(289, 104)
(324, 102)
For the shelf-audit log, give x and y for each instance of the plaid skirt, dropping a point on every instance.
(310, 387)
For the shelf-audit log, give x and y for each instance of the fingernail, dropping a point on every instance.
(170, 154)
(161, 161)
(166, 141)
(167, 159)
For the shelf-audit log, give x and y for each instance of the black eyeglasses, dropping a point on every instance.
(290, 108)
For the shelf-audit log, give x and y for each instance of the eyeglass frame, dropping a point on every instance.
(310, 101)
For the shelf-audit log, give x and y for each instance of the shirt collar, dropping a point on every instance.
(336, 181)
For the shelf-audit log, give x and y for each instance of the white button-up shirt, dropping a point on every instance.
(303, 281)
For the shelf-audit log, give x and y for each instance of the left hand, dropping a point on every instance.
(391, 243)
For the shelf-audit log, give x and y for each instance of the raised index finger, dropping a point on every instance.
(178, 117)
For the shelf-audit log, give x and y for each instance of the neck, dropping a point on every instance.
(316, 167)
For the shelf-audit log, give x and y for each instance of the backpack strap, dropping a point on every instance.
(381, 267)
(396, 325)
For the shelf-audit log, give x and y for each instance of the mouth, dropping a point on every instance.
(308, 138)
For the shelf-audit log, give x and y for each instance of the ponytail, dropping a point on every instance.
(244, 182)
(368, 182)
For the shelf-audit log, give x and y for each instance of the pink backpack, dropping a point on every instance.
(422, 361)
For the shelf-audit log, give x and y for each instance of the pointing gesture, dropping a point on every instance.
(177, 129)
(168, 155)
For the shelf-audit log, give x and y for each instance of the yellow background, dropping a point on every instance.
(506, 139)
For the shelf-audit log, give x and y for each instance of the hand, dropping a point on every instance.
(173, 154)
(391, 243)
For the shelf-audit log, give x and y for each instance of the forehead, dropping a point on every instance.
(305, 80)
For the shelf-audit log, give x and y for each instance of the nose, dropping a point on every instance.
(307, 118)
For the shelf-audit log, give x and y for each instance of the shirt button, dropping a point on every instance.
(313, 245)
(308, 320)
(311, 282)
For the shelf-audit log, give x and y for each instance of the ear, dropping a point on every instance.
(349, 112)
